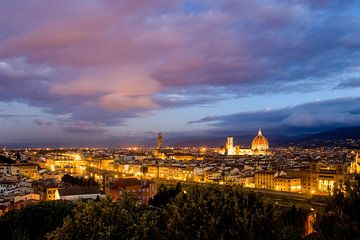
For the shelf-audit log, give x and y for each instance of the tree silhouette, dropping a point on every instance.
(341, 217)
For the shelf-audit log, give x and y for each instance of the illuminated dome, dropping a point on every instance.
(259, 143)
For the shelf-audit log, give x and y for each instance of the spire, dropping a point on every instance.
(259, 133)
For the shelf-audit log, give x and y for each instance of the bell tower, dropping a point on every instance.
(229, 147)
(159, 141)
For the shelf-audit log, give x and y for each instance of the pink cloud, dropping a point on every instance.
(119, 56)
(116, 101)
(120, 89)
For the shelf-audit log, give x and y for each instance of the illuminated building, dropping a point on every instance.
(32, 197)
(355, 165)
(259, 146)
(274, 181)
(23, 200)
(169, 172)
(157, 152)
(246, 181)
(264, 179)
(153, 171)
(170, 153)
(309, 223)
(100, 163)
(51, 194)
(229, 147)
(67, 162)
(48, 190)
(5, 169)
(141, 190)
(185, 157)
(326, 177)
(288, 184)
(106, 183)
(320, 178)
(212, 176)
(180, 173)
(27, 170)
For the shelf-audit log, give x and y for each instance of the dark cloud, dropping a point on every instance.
(306, 118)
(349, 83)
(82, 129)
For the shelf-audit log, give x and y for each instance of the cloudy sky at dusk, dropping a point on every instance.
(108, 71)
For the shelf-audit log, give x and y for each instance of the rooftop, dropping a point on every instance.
(78, 191)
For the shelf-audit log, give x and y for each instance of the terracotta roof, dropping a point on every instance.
(78, 191)
(127, 182)
(259, 140)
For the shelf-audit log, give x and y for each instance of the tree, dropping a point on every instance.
(34, 221)
(294, 219)
(101, 220)
(341, 216)
(221, 213)
(202, 212)
(165, 195)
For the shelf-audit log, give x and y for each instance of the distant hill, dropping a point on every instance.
(346, 136)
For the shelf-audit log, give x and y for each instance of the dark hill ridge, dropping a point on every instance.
(333, 137)
(338, 136)
(337, 133)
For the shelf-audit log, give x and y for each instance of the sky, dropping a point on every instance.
(116, 72)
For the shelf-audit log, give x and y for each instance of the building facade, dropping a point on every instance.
(143, 191)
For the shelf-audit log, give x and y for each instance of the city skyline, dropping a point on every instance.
(106, 72)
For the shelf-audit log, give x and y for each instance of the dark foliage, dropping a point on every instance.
(165, 195)
(199, 213)
(225, 213)
(341, 217)
(33, 222)
(4, 159)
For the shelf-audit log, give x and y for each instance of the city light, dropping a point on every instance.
(179, 119)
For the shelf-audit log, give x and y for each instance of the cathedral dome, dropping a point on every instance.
(259, 143)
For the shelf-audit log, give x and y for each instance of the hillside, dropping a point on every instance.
(346, 136)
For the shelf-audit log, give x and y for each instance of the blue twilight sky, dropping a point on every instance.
(106, 72)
